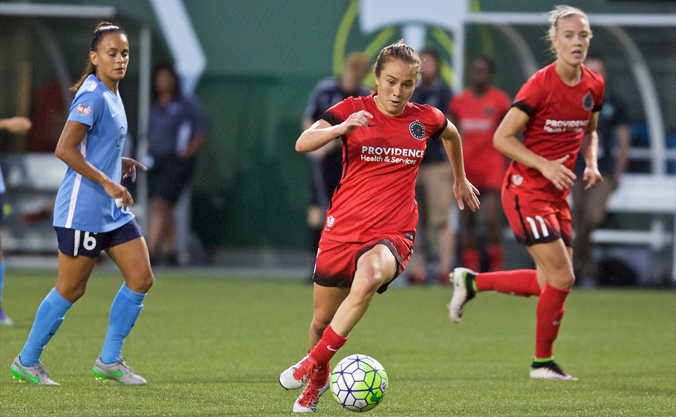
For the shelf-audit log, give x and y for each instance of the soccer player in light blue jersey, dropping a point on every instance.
(91, 214)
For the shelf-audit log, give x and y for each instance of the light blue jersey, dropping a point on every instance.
(82, 204)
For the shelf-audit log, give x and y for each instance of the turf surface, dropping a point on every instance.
(211, 345)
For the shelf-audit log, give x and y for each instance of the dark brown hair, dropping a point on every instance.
(170, 69)
(101, 30)
(396, 51)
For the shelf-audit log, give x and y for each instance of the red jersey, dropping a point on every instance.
(478, 118)
(376, 194)
(559, 115)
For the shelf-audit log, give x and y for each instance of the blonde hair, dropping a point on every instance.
(563, 12)
(396, 51)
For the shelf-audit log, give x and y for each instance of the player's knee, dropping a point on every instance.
(142, 282)
(367, 284)
(563, 278)
(74, 293)
(318, 326)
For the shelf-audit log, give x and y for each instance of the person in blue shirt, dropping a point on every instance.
(91, 214)
(19, 125)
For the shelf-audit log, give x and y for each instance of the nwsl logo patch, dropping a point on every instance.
(83, 109)
(417, 130)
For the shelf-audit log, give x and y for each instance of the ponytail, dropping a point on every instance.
(100, 31)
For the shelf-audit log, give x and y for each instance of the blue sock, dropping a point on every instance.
(2, 277)
(123, 314)
(47, 321)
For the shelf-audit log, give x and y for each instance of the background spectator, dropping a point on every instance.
(326, 163)
(177, 128)
(589, 206)
(434, 188)
(477, 112)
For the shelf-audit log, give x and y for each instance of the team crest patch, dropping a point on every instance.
(517, 179)
(330, 220)
(588, 101)
(417, 130)
(83, 109)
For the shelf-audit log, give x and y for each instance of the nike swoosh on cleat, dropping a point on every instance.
(36, 379)
(117, 374)
(331, 349)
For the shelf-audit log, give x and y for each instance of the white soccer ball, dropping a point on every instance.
(358, 383)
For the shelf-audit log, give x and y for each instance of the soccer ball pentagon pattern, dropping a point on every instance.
(358, 383)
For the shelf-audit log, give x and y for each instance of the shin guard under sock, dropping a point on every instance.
(327, 346)
(522, 282)
(549, 313)
(49, 317)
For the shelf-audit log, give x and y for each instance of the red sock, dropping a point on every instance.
(522, 282)
(549, 313)
(495, 258)
(471, 260)
(327, 346)
(321, 376)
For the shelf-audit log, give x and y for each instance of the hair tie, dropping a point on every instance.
(107, 27)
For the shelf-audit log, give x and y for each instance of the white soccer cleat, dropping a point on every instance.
(463, 291)
(297, 375)
(549, 370)
(34, 375)
(307, 401)
(117, 371)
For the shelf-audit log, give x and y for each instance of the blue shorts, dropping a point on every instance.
(77, 242)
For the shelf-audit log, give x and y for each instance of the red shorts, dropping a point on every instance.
(337, 261)
(535, 220)
(487, 176)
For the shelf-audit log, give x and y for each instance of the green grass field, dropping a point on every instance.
(211, 345)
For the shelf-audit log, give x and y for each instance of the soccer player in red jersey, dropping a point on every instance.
(559, 109)
(370, 225)
(477, 112)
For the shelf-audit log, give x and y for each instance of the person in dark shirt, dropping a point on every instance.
(177, 128)
(434, 188)
(589, 207)
(326, 163)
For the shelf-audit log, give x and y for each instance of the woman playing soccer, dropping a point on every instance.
(370, 224)
(559, 108)
(90, 214)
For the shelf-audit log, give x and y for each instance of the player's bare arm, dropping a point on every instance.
(321, 132)
(505, 141)
(66, 150)
(590, 151)
(464, 191)
(16, 124)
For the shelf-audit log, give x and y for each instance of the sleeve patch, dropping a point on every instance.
(83, 109)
